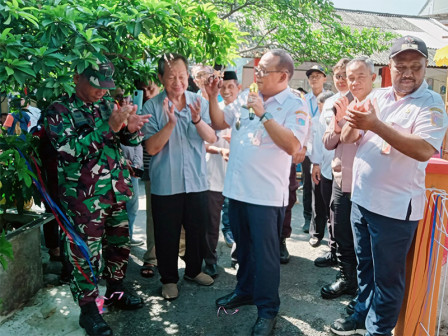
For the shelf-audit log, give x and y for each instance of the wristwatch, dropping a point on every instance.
(265, 117)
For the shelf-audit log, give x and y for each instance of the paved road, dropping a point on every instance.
(302, 311)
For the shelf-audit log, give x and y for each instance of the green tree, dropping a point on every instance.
(310, 30)
(43, 42)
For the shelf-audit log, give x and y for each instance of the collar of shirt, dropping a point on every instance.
(190, 98)
(416, 94)
(279, 97)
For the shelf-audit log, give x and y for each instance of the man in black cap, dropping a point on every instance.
(397, 130)
(217, 157)
(86, 129)
(313, 203)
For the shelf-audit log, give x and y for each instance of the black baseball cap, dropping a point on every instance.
(317, 68)
(408, 43)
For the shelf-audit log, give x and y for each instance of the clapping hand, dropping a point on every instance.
(120, 114)
(362, 116)
(195, 110)
(169, 111)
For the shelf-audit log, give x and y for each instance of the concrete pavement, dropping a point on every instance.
(302, 312)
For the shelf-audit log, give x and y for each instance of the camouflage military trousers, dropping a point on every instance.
(105, 228)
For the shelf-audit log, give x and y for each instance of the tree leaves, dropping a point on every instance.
(60, 37)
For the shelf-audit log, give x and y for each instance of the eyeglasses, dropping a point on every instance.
(338, 77)
(315, 77)
(259, 72)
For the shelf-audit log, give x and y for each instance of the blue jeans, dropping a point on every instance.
(132, 206)
(381, 246)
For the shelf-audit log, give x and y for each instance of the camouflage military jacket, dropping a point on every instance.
(90, 161)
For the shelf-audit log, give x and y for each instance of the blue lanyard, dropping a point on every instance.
(313, 111)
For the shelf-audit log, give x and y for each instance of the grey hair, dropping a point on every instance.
(285, 61)
(323, 96)
(363, 59)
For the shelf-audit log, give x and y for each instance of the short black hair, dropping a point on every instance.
(167, 58)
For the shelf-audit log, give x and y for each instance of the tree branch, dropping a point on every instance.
(236, 9)
(258, 45)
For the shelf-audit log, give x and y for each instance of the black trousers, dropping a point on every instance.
(215, 202)
(342, 228)
(293, 186)
(319, 220)
(169, 214)
(307, 191)
(326, 188)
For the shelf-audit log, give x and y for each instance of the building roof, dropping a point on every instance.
(428, 29)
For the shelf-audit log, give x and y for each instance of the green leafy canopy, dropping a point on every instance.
(42, 43)
(310, 30)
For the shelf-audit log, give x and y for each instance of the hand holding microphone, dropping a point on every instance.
(252, 88)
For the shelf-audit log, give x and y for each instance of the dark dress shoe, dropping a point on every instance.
(263, 326)
(327, 260)
(232, 301)
(211, 270)
(123, 301)
(94, 324)
(284, 254)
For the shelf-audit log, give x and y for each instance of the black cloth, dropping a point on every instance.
(326, 188)
(319, 219)
(293, 186)
(307, 190)
(342, 228)
(169, 214)
(215, 202)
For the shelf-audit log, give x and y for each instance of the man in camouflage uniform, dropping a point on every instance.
(87, 129)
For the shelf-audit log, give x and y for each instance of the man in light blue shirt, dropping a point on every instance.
(175, 137)
(313, 203)
(257, 180)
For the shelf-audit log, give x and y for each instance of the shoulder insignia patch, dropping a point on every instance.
(436, 117)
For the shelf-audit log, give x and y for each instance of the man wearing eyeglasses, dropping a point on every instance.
(257, 180)
(313, 204)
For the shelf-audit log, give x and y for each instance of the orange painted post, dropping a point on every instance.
(421, 280)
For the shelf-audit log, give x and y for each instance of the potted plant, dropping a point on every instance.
(19, 228)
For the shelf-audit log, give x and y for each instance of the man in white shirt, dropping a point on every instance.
(360, 77)
(257, 180)
(217, 157)
(313, 203)
(397, 130)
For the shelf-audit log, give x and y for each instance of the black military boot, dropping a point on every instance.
(345, 283)
(116, 296)
(92, 321)
(284, 254)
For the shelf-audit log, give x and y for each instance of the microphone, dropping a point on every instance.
(252, 88)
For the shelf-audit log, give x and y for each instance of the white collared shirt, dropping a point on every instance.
(387, 184)
(216, 165)
(319, 154)
(258, 172)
